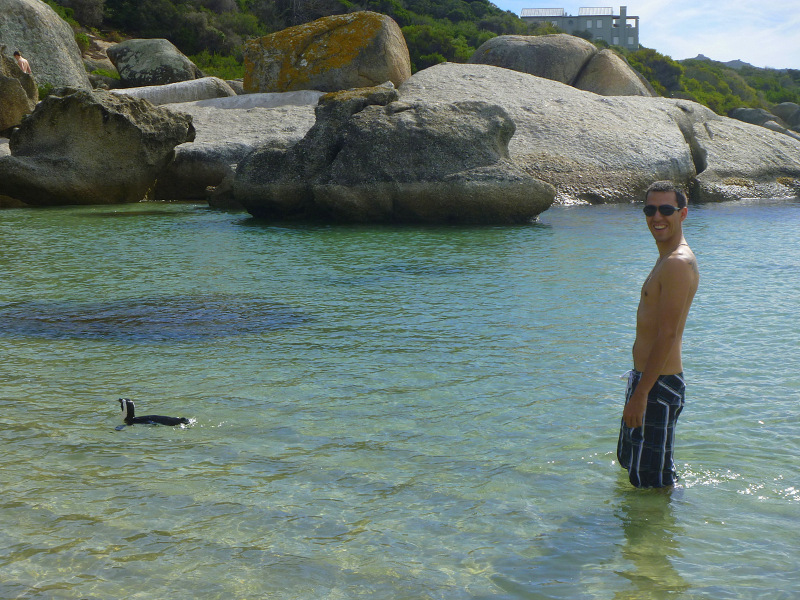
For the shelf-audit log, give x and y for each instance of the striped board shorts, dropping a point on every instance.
(646, 452)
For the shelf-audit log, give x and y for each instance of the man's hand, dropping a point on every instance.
(633, 415)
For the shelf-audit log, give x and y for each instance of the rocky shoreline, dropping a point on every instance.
(454, 143)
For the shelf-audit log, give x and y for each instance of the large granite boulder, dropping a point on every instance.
(765, 118)
(18, 92)
(228, 129)
(609, 149)
(744, 161)
(33, 28)
(334, 53)
(90, 148)
(204, 88)
(754, 116)
(559, 56)
(564, 58)
(788, 112)
(369, 158)
(151, 62)
(609, 75)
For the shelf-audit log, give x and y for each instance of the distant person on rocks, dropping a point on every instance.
(22, 62)
(656, 388)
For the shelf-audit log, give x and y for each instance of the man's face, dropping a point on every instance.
(664, 228)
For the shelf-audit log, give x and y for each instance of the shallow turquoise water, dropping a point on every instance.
(383, 412)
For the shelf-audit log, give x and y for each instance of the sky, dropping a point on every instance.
(764, 33)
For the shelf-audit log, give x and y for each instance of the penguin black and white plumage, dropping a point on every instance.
(130, 418)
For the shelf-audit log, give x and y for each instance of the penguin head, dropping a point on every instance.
(127, 408)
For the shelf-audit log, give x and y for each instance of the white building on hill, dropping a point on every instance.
(600, 22)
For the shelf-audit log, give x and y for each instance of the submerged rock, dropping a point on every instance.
(334, 53)
(369, 158)
(90, 148)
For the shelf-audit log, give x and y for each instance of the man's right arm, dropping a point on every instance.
(675, 291)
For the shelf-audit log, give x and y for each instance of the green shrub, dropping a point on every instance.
(428, 60)
(65, 13)
(661, 71)
(83, 42)
(44, 90)
(217, 65)
(105, 73)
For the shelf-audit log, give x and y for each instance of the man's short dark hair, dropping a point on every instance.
(667, 186)
(16, 53)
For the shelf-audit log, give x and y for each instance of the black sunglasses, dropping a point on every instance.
(664, 209)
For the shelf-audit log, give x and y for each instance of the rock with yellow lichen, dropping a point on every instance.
(334, 53)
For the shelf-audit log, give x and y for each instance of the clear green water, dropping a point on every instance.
(402, 413)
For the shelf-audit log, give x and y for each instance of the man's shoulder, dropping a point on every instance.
(680, 264)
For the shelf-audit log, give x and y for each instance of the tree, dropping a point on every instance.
(89, 12)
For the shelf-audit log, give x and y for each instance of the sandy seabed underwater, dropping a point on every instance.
(387, 412)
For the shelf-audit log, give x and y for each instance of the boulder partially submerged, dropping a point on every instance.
(609, 149)
(740, 160)
(90, 148)
(455, 143)
(370, 158)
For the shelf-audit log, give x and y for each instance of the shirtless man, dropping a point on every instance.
(655, 394)
(23, 63)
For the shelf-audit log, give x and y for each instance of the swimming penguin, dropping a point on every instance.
(130, 418)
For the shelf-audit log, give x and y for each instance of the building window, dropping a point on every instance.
(616, 41)
(589, 24)
(630, 40)
(599, 23)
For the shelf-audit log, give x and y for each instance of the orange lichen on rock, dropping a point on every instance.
(332, 53)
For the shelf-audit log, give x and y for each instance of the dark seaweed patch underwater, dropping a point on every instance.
(147, 320)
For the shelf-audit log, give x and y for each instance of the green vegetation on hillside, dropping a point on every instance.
(212, 33)
(436, 30)
(714, 84)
